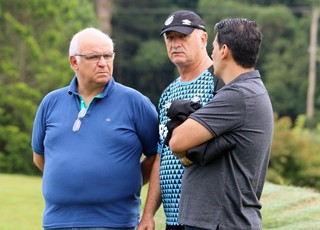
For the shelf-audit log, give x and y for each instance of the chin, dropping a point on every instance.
(103, 79)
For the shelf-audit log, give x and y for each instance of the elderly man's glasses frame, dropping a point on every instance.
(108, 57)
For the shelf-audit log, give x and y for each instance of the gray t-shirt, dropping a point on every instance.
(226, 192)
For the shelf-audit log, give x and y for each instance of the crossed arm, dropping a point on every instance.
(188, 135)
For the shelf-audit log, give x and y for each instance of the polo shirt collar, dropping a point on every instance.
(106, 91)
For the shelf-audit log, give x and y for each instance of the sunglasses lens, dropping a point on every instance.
(76, 125)
(82, 113)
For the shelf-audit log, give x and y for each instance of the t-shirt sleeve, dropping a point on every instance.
(38, 132)
(147, 126)
(224, 113)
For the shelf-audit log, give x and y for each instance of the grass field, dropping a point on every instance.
(284, 207)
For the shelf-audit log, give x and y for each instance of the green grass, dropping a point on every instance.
(284, 207)
(21, 202)
(290, 208)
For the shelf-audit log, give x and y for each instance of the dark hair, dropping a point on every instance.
(243, 37)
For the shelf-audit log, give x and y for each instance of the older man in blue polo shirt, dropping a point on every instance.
(88, 139)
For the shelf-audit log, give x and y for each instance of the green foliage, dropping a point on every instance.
(35, 39)
(295, 155)
(16, 143)
(16, 115)
(283, 64)
(150, 61)
(39, 33)
(141, 60)
(283, 59)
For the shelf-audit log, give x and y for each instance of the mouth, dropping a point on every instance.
(103, 72)
(103, 75)
(176, 53)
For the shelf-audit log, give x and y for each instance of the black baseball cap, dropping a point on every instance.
(183, 21)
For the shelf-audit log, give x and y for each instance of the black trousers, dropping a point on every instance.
(174, 227)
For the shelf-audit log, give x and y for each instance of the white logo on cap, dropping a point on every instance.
(169, 20)
(186, 22)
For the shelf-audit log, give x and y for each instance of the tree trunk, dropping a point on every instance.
(104, 14)
(312, 63)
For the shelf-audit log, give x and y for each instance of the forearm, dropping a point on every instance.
(38, 160)
(209, 151)
(146, 168)
(188, 135)
(153, 200)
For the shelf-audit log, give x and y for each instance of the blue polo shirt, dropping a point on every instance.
(92, 177)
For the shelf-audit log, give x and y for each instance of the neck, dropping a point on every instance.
(88, 93)
(191, 72)
(233, 72)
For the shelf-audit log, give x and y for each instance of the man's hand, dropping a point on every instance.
(185, 161)
(180, 155)
(146, 224)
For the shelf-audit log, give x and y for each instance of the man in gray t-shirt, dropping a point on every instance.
(225, 194)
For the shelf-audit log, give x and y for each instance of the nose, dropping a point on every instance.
(176, 42)
(103, 62)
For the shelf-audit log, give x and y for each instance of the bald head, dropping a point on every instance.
(87, 38)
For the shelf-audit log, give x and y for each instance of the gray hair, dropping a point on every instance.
(74, 45)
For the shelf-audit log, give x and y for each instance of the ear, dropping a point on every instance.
(204, 39)
(224, 51)
(73, 62)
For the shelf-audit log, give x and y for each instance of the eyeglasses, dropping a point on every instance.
(77, 123)
(108, 57)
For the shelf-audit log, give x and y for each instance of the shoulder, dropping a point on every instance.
(122, 89)
(250, 84)
(207, 75)
(233, 92)
(55, 94)
(52, 99)
(169, 91)
(131, 94)
(172, 86)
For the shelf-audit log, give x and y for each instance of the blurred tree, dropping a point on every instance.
(295, 161)
(141, 60)
(34, 41)
(283, 63)
(104, 10)
(283, 60)
(35, 37)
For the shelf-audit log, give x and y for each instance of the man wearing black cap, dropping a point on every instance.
(183, 22)
(185, 37)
